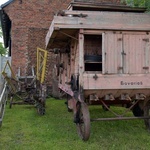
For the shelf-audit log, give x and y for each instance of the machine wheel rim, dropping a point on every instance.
(147, 114)
(83, 126)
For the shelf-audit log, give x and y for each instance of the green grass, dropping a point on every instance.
(24, 129)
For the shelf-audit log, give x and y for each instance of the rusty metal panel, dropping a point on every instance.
(112, 53)
(136, 57)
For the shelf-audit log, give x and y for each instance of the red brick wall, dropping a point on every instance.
(33, 43)
(100, 1)
(30, 22)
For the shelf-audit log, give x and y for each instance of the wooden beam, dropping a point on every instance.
(105, 20)
(103, 6)
(112, 21)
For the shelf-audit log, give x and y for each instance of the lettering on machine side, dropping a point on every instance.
(131, 83)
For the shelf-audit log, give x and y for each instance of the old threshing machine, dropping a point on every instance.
(103, 58)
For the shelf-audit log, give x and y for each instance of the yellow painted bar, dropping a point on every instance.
(41, 64)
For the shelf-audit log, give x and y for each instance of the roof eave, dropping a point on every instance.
(7, 3)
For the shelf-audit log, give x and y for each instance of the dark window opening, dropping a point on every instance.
(93, 52)
(93, 66)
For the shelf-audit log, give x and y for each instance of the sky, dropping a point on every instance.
(3, 1)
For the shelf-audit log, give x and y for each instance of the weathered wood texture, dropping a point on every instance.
(116, 84)
(119, 21)
(93, 45)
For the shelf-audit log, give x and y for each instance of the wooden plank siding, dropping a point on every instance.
(112, 53)
(119, 21)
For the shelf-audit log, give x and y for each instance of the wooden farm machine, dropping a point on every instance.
(25, 89)
(104, 58)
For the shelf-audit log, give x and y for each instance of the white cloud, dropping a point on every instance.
(3, 1)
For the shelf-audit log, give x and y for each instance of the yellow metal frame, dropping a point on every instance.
(7, 78)
(41, 64)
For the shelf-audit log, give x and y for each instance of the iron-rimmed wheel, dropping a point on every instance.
(0, 123)
(11, 102)
(83, 121)
(41, 110)
(147, 114)
(138, 109)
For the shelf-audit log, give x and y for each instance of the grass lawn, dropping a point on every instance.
(24, 129)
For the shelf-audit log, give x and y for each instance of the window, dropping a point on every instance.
(93, 52)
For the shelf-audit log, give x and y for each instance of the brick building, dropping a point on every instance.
(25, 24)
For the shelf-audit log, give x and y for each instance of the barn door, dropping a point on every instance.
(127, 53)
(136, 53)
(112, 53)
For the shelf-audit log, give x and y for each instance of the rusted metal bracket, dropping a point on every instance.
(95, 77)
(140, 96)
(120, 68)
(125, 97)
(146, 68)
(123, 53)
(146, 40)
(109, 97)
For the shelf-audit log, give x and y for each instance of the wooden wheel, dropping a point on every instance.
(147, 114)
(83, 121)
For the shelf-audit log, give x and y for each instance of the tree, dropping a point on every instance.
(138, 3)
(3, 51)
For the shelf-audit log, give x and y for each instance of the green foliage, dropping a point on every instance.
(24, 129)
(3, 50)
(1, 32)
(138, 3)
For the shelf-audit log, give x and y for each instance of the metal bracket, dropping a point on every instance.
(146, 40)
(109, 97)
(125, 97)
(93, 97)
(140, 96)
(95, 77)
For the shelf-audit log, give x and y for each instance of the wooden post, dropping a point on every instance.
(81, 62)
